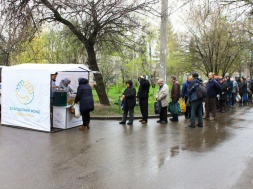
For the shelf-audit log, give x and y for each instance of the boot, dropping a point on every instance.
(88, 125)
(83, 128)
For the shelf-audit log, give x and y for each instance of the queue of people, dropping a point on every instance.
(221, 93)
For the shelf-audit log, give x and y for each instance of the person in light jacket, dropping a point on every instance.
(162, 97)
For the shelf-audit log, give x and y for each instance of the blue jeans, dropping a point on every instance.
(196, 108)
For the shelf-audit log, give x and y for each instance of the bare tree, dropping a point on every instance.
(216, 42)
(96, 21)
(13, 33)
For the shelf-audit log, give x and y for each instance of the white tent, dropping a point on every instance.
(26, 92)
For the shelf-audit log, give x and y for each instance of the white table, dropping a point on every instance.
(63, 119)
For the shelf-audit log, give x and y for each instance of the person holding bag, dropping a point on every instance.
(85, 98)
(175, 95)
(162, 98)
(129, 96)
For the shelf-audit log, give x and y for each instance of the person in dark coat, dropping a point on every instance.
(223, 95)
(85, 98)
(175, 95)
(229, 89)
(213, 89)
(129, 96)
(242, 87)
(142, 96)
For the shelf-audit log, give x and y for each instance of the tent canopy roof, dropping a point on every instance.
(51, 67)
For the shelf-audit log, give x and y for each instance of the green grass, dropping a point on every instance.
(114, 93)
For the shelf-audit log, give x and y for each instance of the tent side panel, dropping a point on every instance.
(26, 98)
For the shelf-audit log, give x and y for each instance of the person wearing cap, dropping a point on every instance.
(142, 96)
(162, 97)
(175, 95)
(196, 103)
(129, 96)
(222, 95)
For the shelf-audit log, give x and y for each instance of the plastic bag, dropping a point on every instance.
(245, 98)
(174, 108)
(157, 107)
(238, 98)
(77, 111)
(182, 106)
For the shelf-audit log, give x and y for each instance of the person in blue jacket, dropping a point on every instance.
(185, 96)
(196, 103)
(85, 98)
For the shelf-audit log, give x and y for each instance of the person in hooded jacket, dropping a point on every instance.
(196, 103)
(142, 95)
(85, 98)
(64, 84)
(129, 96)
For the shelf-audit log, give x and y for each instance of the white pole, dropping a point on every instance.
(163, 40)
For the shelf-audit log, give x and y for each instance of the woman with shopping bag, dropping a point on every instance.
(85, 98)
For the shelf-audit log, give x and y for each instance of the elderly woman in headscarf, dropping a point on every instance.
(85, 98)
(64, 84)
(129, 96)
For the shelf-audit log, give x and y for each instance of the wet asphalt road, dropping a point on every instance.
(219, 155)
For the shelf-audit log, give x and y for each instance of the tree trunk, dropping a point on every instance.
(100, 86)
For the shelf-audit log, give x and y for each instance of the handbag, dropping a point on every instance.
(182, 106)
(245, 98)
(174, 108)
(124, 104)
(157, 107)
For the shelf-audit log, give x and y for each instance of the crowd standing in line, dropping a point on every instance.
(221, 93)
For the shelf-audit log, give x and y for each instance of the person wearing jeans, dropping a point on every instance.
(196, 103)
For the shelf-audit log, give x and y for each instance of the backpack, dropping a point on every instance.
(201, 91)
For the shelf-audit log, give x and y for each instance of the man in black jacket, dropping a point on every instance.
(142, 96)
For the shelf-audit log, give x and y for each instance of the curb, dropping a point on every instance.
(119, 117)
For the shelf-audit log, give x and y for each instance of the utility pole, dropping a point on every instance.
(163, 40)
